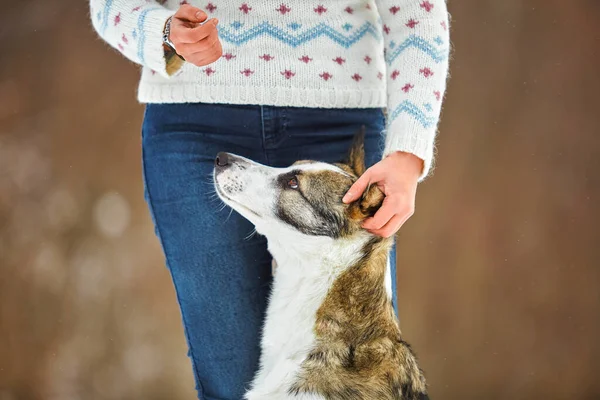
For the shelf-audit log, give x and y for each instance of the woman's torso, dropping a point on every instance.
(292, 53)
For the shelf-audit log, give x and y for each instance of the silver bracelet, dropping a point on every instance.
(167, 33)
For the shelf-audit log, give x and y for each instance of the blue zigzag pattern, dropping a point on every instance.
(105, 14)
(142, 40)
(296, 39)
(438, 55)
(411, 109)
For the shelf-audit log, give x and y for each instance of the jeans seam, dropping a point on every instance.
(263, 134)
(158, 234)
(284, 124)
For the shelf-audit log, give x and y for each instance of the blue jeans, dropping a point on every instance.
(221, 273)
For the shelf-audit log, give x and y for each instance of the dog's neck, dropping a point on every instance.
(319, 261)
(320, 256)
(315, 254)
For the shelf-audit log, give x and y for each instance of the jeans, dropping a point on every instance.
(222, 273)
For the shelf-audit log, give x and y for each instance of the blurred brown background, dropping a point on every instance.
(499, 282)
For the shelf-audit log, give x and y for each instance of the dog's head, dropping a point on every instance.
(305, 198)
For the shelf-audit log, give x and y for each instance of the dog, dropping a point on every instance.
(330, 332)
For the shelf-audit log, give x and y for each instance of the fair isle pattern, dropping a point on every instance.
(142, 38)
(411, 109)
(104, 15)
(326, 53)
(294, 39)
(437, 53)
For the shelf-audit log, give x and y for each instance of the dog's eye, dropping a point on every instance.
(293, 183)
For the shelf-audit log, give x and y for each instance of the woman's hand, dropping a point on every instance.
(397, 176)
(197, 43)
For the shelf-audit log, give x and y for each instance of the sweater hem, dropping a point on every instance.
(271, 96)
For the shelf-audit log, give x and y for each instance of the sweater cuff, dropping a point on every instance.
(407, 135)
(151, 47)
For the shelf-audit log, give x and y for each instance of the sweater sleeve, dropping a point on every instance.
(417, 46)
(135, 28)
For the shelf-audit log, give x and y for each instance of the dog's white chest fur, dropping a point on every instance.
(288, 332)
(301, 283)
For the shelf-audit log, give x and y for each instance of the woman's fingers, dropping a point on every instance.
(188, 49)
(206, 57)
(197, 44)
(190, 13)
(180, 33)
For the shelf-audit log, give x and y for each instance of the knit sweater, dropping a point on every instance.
(300, 53)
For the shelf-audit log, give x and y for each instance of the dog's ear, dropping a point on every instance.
(372, 197)
(368, 204)
(356, 156)
(371, 200)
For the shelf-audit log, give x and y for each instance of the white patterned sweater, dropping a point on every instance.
(301, 53)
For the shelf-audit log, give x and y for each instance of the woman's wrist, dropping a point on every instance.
(411, 164)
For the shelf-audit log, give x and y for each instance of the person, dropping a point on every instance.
(276, 82)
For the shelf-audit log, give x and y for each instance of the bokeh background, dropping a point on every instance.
(499, 269)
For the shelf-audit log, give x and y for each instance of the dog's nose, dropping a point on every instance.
(222, 159)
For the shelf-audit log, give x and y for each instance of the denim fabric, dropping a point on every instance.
(222, 275)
